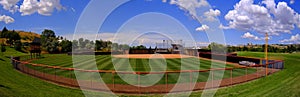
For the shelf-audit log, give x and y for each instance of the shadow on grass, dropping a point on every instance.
(2, 86)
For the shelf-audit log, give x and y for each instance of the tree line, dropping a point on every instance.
(11, 38)
(55, 44)
(275, 48)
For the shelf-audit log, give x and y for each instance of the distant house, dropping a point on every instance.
(35, 47)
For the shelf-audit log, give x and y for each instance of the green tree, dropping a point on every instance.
(18, 45)
(115, 46)
(218, 48)
(12, 37)
(3, 32)
(3, 49)
(66, 46)
(49, 41)
(75, 44)
(81, 43)
(141, 47)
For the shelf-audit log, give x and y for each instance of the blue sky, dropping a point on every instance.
(62, 16)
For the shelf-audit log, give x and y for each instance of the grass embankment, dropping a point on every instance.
(16, 84)
(281, 84)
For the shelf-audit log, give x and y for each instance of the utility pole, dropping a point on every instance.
(266, 53)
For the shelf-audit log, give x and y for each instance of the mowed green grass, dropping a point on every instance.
(285, 83)
(16, 84)
(282, 84)
(106, 62)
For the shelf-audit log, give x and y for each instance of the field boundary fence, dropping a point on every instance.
(41, 71)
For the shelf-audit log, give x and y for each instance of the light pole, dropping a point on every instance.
(266, 54)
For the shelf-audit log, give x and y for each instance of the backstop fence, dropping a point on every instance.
(65, 76)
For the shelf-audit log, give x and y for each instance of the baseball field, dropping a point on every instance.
(283, 83)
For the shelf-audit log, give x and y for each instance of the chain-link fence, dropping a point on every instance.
(219, 77)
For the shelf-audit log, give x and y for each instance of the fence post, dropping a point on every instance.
(54, 74)
(191, 80)
(43, 71)
(212, 78)
(246, 73)
(34, 71)
(256, 72)
(273, 67)
(139, 84)
(166, 79)
(23, 66)
(27, 69)
(91, 80)
(231, 76)
(113, 80)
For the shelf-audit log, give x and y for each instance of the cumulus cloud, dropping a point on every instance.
(271, 18)
(251, 36)
(10, 5)
(292, 1)
(43, 7)
(202, 28)
(221, 26)
(7, 19)
(190, 5)
(294, 39)
(212, 14)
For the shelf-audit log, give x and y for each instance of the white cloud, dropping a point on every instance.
(202, 28)
(43, 7)
(251, 36)
(221, 26)
(272, 18)
(190, 5)
(295, 39)
(10, 5)
(292, 1)
(212, 14)
(6, 19)
(164, 1)
(29, 7)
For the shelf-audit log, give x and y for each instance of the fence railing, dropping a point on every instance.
(219, 77)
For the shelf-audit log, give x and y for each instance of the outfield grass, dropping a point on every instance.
(282, 84)
(104, 62)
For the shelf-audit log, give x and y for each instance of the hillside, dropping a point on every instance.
(27, 36)
(16, 84)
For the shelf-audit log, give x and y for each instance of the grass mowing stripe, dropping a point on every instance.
(183, 66)
(90, 66)
(172, 66)
(52, 62)
(132, 63)
(103, 63)
(108, 76)
(205, 64)
(146, 64)
(123, 64)
(190, 63)
(140, 65)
